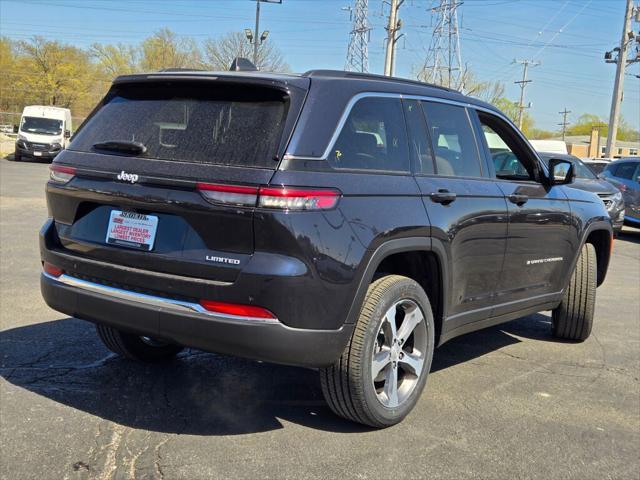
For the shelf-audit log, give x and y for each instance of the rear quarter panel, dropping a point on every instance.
(335, 245)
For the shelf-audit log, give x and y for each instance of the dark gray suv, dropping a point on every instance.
(340, 221)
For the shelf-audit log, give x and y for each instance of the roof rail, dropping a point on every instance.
(371, 76)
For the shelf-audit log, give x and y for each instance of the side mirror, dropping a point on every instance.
(561, 172)
(15, 128)
(67, 134)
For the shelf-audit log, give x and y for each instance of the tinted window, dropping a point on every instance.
(625, 170)
(508, 157)
(221, 125)
(419, 144)
(453, 142)
(373, 137)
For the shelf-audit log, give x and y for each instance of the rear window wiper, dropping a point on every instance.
(124, 146)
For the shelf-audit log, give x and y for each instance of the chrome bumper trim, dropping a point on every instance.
(152, 300)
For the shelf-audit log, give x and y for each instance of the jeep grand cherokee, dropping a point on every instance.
(333, 220)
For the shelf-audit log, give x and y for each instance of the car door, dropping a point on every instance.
(541, 237)
(467, 211)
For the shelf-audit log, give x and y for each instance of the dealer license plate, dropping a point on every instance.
(132, 230)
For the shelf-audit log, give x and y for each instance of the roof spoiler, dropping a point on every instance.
(240, 64)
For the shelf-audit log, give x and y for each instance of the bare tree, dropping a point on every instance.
(220, 52)
(485, 90)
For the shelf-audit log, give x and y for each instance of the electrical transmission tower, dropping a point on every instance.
(443, 65)
(358, 52)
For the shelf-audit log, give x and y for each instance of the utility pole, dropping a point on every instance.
(254, 37)
(358, 51)
(564, 123)
(392, 27)
(523, 84)
(621, 63)
(443, 64)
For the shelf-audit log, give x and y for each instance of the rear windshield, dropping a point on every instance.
(191, 122)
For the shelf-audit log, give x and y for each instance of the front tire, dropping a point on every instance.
(383, 369)
(135, 347)
(17, 157)
(573, 318)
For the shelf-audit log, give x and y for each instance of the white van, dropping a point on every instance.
(43, 132)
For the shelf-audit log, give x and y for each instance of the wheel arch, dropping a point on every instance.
(602, 241)
(419, 258)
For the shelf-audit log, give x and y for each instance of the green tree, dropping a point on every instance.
(220, 53)
(587, 121)
(165, 49)
(59, 74)
(114, 60)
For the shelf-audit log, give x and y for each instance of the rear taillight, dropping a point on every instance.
(237, 310)
(229, 194)
(60, 173)
(51, 269)
(280, 198)
(286, 198)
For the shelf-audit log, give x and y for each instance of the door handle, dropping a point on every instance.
(445, 197)
(518, 198)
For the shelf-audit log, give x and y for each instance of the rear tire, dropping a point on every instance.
(135, 347)
(573, 318)
(383, 369)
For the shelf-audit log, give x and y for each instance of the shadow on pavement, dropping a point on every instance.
(197, 393)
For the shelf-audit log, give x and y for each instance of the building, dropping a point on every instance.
(592, 146)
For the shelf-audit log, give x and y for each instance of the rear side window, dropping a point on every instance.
(201, 123)
(373, 137)
(454, 144)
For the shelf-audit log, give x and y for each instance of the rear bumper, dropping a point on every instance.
(182, 323)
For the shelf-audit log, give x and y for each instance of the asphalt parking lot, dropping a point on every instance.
(507, 402)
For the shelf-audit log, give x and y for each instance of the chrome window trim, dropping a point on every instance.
(150, 300)
(426, 98)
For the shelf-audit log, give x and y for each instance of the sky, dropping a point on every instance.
(568, 37)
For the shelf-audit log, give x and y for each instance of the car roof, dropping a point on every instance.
(625, 160)
(355, 81)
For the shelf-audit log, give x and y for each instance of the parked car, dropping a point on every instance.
(43, 132)
(256, 214)
(625, 174)
(586, 180)
(596, 165)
